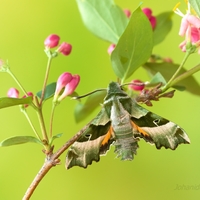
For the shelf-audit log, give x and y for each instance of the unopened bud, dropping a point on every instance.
(13, 92)
(52, 41)
(137, 85)
(62, 81)
(70, 87)
(127, 12)
(65, 48)
(111, 48)
(29, 94)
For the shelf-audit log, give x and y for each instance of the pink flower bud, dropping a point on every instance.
(127, 12)
(111, 48)
(137, 85)
(147, 12)
(152, 20)
(70, 87)
(13, 92)
(62, 81)
(52, 41)
(182, 46)
(65, 48)
(30, 94)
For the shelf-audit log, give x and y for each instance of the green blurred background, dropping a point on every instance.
(154, 174)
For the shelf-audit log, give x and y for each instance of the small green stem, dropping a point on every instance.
(51, 120)
(186, 74)
(20, 85)
(169, 83)
(30, 122)
(41, 121)
(45, 79)
(16, 80)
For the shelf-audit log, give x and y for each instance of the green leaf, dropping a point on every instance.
(163, 27)
(134, 46)
(167, 70)
(49, 91)
(157, 78)
(19, 140)
(103, 18)
(92, 102)
(7, 101)
(196, 6)
(55, 137)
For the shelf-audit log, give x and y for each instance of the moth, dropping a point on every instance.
(122, 122)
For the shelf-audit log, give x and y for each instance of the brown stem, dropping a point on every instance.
(51, 161)
(43, 171)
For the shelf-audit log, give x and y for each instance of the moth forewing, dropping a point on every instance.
(87, 148)
(160, 131)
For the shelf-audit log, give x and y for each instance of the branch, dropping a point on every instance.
(51, 161)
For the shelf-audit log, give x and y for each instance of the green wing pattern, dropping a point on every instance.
(89, 146)
(160, 131)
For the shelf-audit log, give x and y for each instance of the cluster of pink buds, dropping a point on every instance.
(152, 19)
(52, 41)
(190, 29)
(68, 82)
(14, 93)
(137, 85)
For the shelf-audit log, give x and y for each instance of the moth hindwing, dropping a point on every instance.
(122, 122)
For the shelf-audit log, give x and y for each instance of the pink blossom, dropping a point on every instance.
(70, 87)
(52, 41)
(189, 28)
(137, 85)
(184, 26)
(13, 93)
(193, 20)
(65, 48)
(188, 21)
(62, 81)
(127, 12)
(111, 48)
(193, 36)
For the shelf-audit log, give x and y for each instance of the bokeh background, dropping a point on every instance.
(154, 174)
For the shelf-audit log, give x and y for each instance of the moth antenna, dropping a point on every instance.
(85, 95)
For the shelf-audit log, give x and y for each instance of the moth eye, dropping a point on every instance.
(156, 122)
